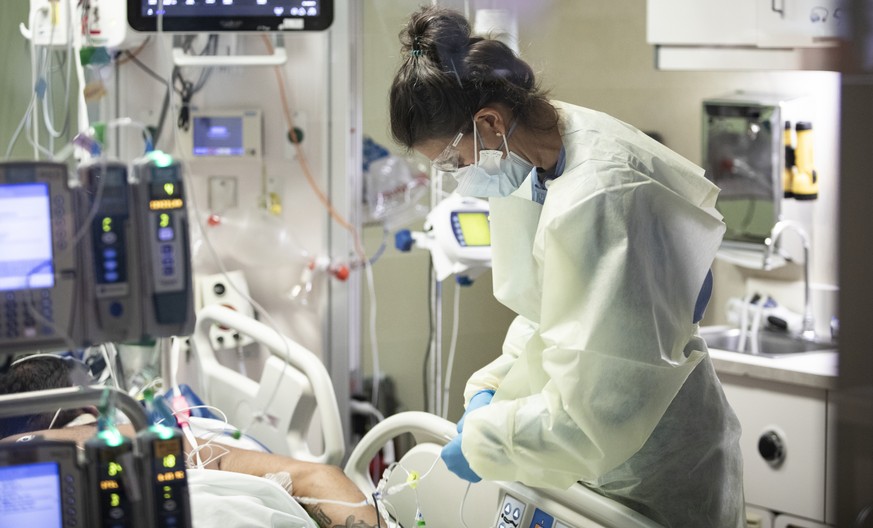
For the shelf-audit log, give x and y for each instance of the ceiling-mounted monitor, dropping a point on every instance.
(213, 16)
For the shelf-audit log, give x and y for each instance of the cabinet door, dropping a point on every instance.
(798, 416)
(799, 23)
(701, 22)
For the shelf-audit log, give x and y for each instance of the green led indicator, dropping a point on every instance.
(161, 159)
(107, 225)
(164, 220)
(112, 437)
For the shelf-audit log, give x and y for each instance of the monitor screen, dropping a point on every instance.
(26, 237)
(30, 495)
(218, 136)
(230, 15)
(474, 228)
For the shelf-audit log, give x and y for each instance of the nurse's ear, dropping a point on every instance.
(491, 122)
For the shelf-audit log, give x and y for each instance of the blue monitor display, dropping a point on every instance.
(218, 136)
(26, 237)
(30, 495)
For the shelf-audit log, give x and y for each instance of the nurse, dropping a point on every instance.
(602, 240)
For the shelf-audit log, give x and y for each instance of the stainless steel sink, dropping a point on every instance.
(770, 344)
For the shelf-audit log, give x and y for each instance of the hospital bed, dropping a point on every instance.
(294, 394)
(419, 484)
(443, 499)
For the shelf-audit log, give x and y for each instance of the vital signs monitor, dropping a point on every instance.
(190, 16)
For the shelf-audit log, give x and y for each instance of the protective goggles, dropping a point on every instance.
(449, 158)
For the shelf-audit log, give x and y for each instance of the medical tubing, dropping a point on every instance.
(34, 141)
(359, 250)
(58, 412)
(313, 500)
(374, 346)
(378, 515)
(175, 358)
(36, 72)
(463, 502)
(20, 127)
(82, 122)
(437, 358)
(399, 487)
(47, 119)
(109, 366)
(29, 108)
(304, 164)
(452, 349)
(424, 369)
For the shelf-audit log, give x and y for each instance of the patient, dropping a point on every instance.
(319, 481)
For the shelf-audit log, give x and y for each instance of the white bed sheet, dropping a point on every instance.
(223, 499)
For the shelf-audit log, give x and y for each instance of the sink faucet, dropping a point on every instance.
(808, 329)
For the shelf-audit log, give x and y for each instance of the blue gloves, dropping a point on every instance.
(480, 399)
(455, 461)
(451, 453)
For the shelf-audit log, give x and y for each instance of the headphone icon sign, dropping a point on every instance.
(818, 14)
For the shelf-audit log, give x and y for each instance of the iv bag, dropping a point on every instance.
(393, 190)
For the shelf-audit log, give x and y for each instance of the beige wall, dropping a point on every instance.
(594, 54)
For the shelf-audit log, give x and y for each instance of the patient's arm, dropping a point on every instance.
(319, 481)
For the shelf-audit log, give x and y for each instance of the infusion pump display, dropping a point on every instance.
(38, 260)
(105, 261)
(113, 483)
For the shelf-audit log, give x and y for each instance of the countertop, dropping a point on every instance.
(808, 369)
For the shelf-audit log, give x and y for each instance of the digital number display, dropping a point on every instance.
(165, 195)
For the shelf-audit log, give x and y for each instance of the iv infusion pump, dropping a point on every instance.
(111, 484)
(104, 261)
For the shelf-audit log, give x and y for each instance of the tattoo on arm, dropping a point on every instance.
(325, 521)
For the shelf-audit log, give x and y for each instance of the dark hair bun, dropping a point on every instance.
(443, 35)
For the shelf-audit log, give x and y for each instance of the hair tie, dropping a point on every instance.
(416, 48)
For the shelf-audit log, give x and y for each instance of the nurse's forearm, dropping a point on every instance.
(318, 481)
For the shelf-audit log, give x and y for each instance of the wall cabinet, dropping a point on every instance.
(786, 453)
(745, 34)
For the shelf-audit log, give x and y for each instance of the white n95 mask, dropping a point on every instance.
(492, 174)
